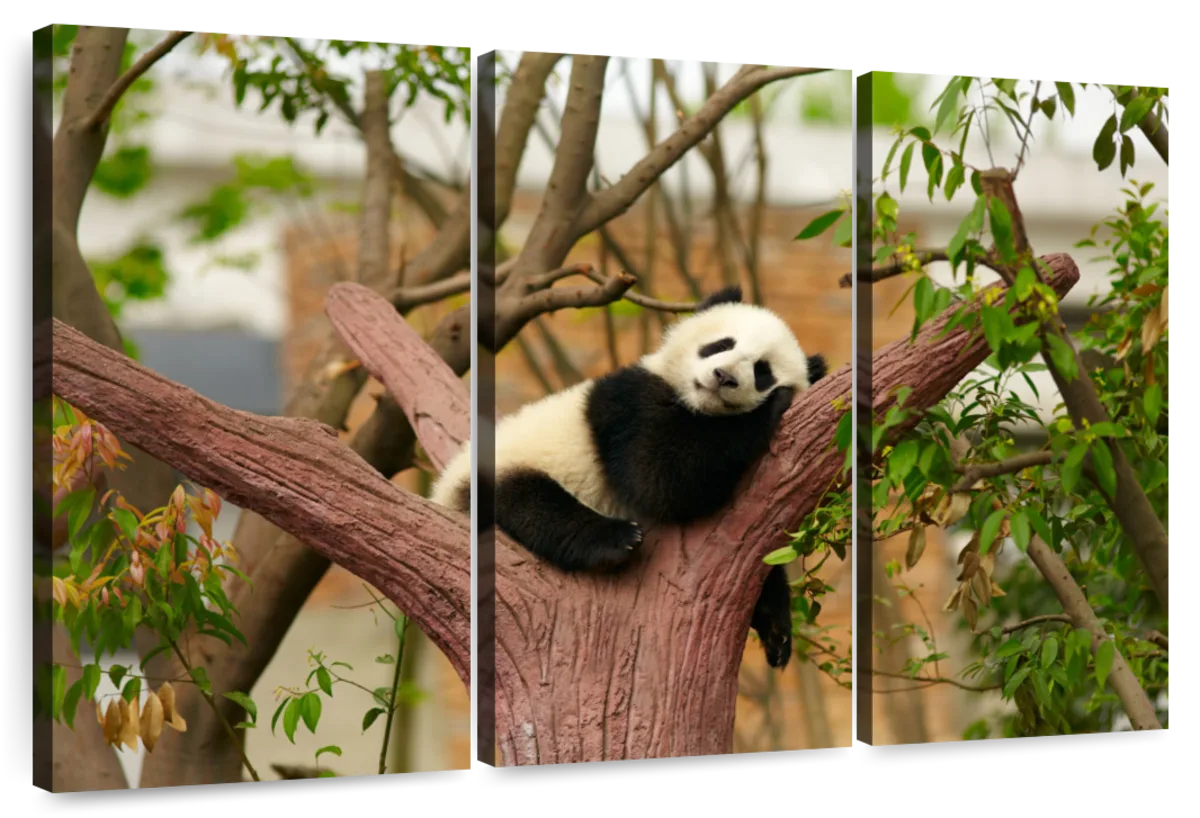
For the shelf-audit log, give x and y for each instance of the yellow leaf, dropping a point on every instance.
(112, 722)
(166, 695)
(129, 723)
(152, 722)
(916, 546)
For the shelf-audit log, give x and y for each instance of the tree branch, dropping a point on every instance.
(1156, 132)
(885, 271)
(1035, 620)
(523, 96)
(433, 397)
(143, 64)
(293, 472)
(618, 198)
(1130, 504)
(406, 299)
(973, 472)
(1124, 683)
(374, 246)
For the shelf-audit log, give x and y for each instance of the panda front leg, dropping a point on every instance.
(772, 618)
(533, 509)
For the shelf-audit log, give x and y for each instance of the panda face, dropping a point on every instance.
(726, 359)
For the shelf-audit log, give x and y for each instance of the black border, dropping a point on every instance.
(42, 213)
(484, 295)
(863, 346)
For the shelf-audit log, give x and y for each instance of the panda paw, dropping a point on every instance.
(614, 544)
(779, 401)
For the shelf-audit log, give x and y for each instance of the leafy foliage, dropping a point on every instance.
(1022, 645)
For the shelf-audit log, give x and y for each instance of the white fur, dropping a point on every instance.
(552, 435)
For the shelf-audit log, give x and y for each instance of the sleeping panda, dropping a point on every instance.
(581, 473)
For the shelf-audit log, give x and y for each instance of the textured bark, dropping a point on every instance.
(295, 473)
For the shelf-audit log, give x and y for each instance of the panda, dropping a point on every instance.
(581, 473)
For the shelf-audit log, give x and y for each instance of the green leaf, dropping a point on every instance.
(127, 522)
(949, 105)
(902, 460)
(1001, 221)
(906, 164)
(310, 710)
(1105, 655)
(1137, 108)
(330, 748)
(1152, 403)
(820, 224)
(91, 680)
(291, 718)
(991, 526)
(200, 677)
(116, 673)
(278, 712)
(954, 180)
(324, 680)
(370, 716)
(1019, 523)
(1011, 687)
(71, 702)
(79, 510)
(1072, 467)
(246, 703)
(781, 556)
(842, 234)
(1049, 651)
(1102, 463)
(1067, 94)
(1010, 648)
(58, 689)
(1127, 155)
(1104, 150)
(1063, 357)
(132, 689)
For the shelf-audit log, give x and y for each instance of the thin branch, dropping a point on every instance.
(1155, 131)
(1033, 107)
(557, 298)
(974, 472)
(391, 714)
(406, 299)
(885, 271)
(143, 64)
(1035, 620)
(929, 681)
(229, 731)
(618, 198)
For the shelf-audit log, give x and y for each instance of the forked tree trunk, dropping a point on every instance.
(588, 668)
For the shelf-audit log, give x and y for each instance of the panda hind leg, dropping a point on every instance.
(772, 618)
(544, 517)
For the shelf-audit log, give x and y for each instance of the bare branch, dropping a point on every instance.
(406, 299)
(557, 298)
(973, 472)
(1156, 131)
(1035, 620)
(143, 64)
(374, 245)
(618, 198)
(522, 98)
(929, 681)
(876, 274)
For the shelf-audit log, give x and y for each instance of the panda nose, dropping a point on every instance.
(724, 379)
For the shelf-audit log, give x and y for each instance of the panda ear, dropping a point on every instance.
(816, 368)
(726, 295)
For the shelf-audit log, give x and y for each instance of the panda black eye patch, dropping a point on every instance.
(724, 345)
(764, 378)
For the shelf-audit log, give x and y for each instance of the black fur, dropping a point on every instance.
(724, 345)
(663, 461)
(726, 295)
(816, 368)
(772, 619)
(545, 518)
(764, 378)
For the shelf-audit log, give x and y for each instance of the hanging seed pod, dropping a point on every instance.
(916, 546)
(152, 722)
(112, 722)
(129, 723)
(171, 717)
